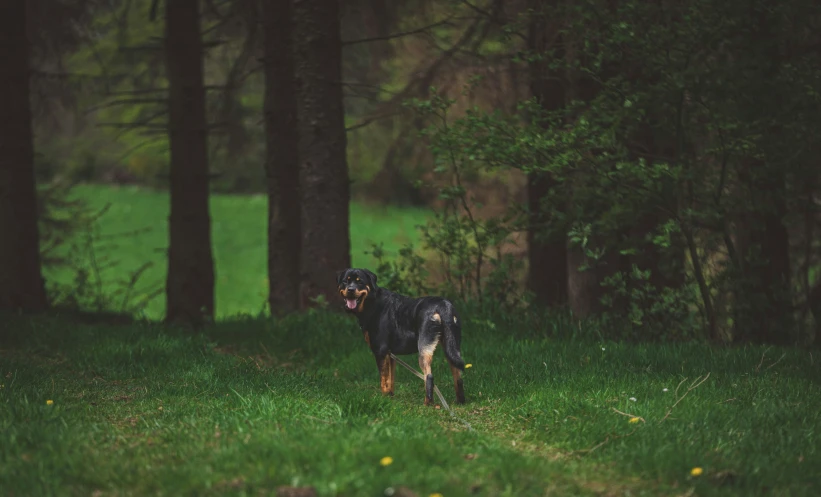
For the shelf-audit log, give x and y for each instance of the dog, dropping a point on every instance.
(400, 325)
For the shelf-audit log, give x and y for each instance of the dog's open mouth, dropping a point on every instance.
(351, 303)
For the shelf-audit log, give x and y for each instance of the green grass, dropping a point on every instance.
(134, 231)
(255, 404)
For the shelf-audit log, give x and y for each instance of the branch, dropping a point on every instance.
(628, 415)
(398, 35)
(421, 82)
(125, 101)
(695, 384)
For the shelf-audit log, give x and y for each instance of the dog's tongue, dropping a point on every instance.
(351, 303)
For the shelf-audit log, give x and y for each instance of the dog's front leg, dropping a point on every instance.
(387, 368)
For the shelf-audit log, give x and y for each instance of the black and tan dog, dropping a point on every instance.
(397, 324)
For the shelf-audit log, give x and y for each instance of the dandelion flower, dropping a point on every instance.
(437, 494)
(634, 420)
(386, 461)
(696, 471)
(49, 402)
(468, 366)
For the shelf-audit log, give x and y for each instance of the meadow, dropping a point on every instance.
(133, 232)
(252, 405)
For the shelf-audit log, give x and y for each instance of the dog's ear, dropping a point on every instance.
(339, 275)
(372, 277)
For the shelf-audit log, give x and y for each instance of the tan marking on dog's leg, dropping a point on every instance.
(457, 383)
(384, 375)
(367, 338)
(437, 317)
(425, 360)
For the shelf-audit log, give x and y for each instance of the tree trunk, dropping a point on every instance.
(322, 145)
(190, 283)
(21, 280)
(763, 303)
(282, 161)
(584, 287)
(547, 258)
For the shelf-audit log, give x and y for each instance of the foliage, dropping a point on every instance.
(664, 160)
(79, 263)
(255, 404)
(468, 249)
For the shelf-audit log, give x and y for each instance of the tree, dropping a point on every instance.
(190, 282)
(282, 159)
(322, 143)
(21, 280)
(547, 254)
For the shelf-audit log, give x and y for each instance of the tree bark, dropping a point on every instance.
(190, 283)
(547, 259)
(322, 145)
(584, 287)
(21, 280)
(282, 161)
(763, 304)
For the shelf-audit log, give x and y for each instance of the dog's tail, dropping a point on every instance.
(452, 336)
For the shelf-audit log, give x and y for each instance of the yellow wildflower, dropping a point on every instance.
(437, 494)
(386, 461)
(49, 402)
(634, 420)
(696, 471)
(466, 366)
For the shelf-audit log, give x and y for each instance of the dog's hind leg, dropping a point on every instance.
(428, 339)
(457, 383)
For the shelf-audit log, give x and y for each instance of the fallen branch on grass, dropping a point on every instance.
(695, 384)
(628, 415)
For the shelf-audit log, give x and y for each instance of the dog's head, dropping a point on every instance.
(355, 286)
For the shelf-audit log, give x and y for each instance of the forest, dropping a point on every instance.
(636, 176)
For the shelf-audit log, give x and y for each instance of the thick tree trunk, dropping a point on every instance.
(763, 301)
(584, 287)
(282, 160)
(322, 144)
(547, 258)
(21, 280)
(190, 283)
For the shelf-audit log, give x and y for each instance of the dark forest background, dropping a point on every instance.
(652, 166)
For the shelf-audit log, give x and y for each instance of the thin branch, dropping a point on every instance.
(392, 36)
(695, 384)
(125, 101)
(628, 415)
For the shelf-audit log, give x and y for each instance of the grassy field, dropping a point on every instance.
(256, 404)
(134, 231)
